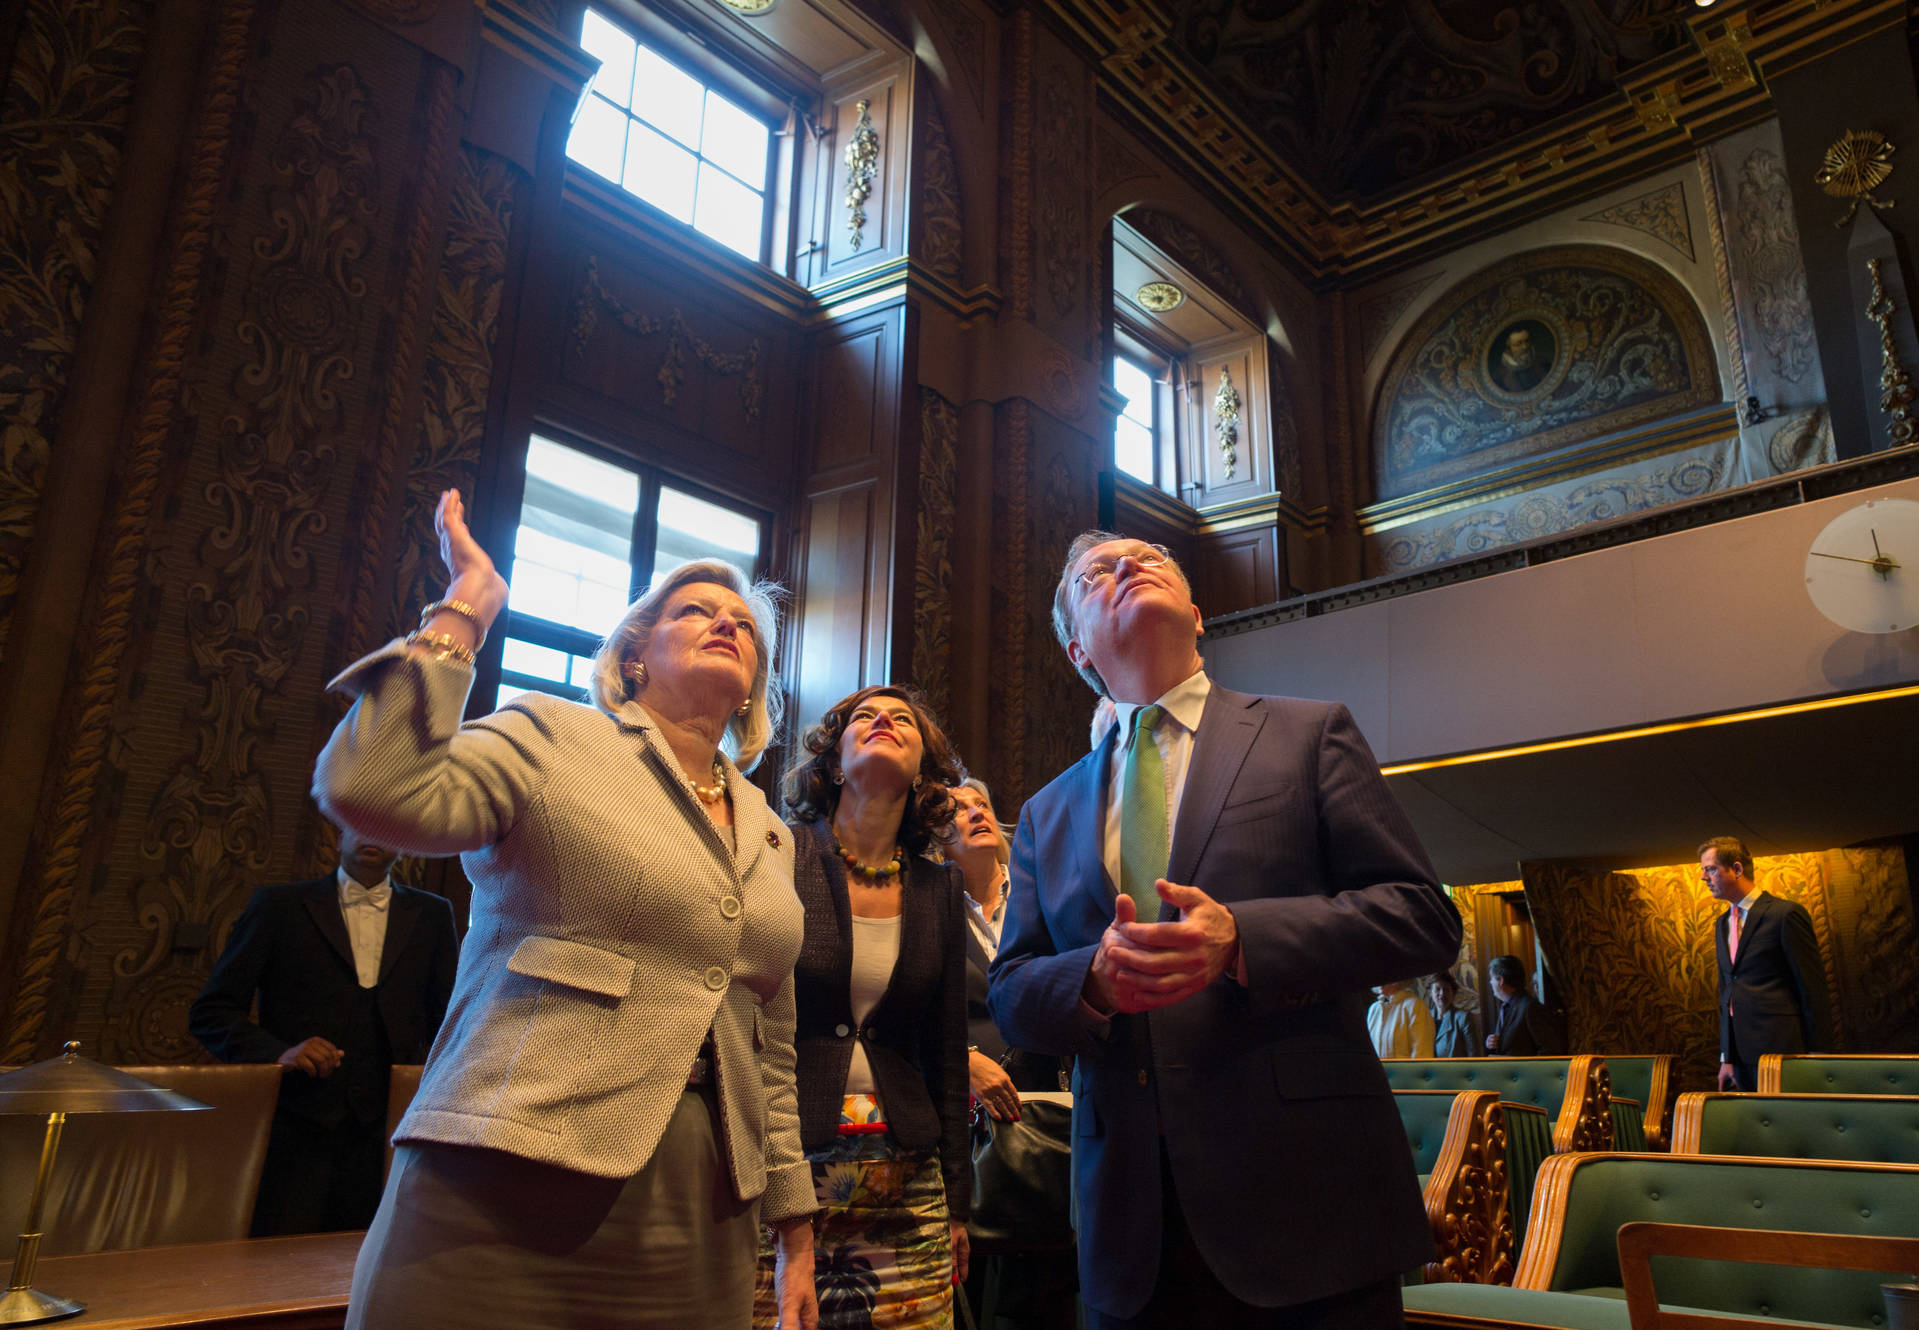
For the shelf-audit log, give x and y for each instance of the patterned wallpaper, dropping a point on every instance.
(1540, 351)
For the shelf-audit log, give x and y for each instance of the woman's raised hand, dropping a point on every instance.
(474, 578)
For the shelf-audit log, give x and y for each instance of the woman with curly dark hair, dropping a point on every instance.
(880, 1038)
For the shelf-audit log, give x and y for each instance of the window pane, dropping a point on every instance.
(667, 98)
(660, 172)
(598, 140)
(692, 528)
(573, 553)
(615, 50)
(734, 140)
(1136, 386)
(1133, 450)
(729, 212)
(528, 658)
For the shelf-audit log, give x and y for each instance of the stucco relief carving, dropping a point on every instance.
(590, 296)
(937, 195)
(1068, 394)
(1801, 440)
(1768, 264)
(1539, 351)
(1545, 514)
(1659, 213)
(66, 100)
(933, 570)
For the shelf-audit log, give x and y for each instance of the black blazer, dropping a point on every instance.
(1776, 990)
(1527, 1028)
(915, 1038)
(290, 945)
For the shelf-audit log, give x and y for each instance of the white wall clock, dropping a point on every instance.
(1862, 571)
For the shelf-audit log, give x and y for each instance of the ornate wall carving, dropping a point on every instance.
(968, 46)
(1378, 313)
(1659, 213)
(1114, 163)
(1634, 956)
(1769, 275)
(936, 195)
(1548, 511)
(591, 297)
(933, 569)
(1287, 473)
(1197, 253)
(1535, 353)
(63, 119)
(1060, 160)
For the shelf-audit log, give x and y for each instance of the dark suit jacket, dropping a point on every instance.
(290, 945)
(1287, 1150)
(1777, 988)
(1527, 1028)
(915, 1038)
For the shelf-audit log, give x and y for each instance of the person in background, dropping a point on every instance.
(608, 1113)
(1399, 1023)
(1772, 986)
(881, 1032)
(1524, 1027)
(1452, 1024)
(352, 972)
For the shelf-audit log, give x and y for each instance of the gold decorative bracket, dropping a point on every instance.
(1896, 392)
(1226, 420)
(591, 296)
(862, 165)
(1857, 163)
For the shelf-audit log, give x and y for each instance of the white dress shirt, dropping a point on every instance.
(1184, 703)
(986, 928)
(365, 914)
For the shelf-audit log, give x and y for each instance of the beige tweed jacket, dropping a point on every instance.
(612, 925)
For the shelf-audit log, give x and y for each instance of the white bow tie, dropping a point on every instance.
(377, 897)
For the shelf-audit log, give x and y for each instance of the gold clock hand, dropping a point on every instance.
(1882, 565)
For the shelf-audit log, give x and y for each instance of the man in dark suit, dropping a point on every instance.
(1237, 1156)
(1772, 986)
(353, 973)
(1523, 1026)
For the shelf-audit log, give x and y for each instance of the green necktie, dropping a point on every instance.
(1142, 812)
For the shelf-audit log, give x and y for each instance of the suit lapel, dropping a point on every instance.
(1085, 797)
(1227, 728)
(323, 903)
(402, 912)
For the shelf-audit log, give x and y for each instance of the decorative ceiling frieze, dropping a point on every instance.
(1666, 98)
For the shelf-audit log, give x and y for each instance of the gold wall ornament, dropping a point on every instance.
(1159, 297)
(862, 165)
(1226, 420)
(1896, 392)
(1857, 163)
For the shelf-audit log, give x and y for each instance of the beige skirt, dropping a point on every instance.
(469, 1237)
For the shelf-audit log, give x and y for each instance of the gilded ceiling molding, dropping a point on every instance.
(862, 165)
(1694, 89)
(103, 654)
(1660, 213)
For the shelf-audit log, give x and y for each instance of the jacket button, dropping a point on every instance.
(1142, 1075)
(842, 1030)
(716, 978)
(729, 907)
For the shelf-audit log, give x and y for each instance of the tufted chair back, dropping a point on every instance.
(1833, 1073)
(1878, 1129)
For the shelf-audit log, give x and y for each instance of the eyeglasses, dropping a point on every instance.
(1153, 556)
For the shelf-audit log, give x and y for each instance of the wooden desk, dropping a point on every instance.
(273, 1283)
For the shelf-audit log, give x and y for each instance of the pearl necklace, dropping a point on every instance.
(869, 874)
(710, 794)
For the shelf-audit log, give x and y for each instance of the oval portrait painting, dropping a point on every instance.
(1521, 356)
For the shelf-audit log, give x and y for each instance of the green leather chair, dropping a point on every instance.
(1569, 1274)
(1874, 1129)
(1838, 1073)
(1459, 1150)
(1642, 1100)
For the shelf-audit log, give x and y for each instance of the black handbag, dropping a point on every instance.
(1023, 1178)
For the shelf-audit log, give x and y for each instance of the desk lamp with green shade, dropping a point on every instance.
(57, 1087)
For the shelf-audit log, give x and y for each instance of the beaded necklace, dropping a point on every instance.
(710, 794)
(869, 874)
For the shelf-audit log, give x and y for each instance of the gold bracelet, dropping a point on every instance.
(445, 643)
(461, 608)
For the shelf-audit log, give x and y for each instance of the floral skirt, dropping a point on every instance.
(882, 1255)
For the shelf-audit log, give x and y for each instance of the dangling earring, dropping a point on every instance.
(745, 707)
(918, 781)
(839, 778)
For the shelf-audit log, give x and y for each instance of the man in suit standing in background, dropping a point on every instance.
(1523, 1025)
(1772, 986)
(1237, 1156)
(353, 974)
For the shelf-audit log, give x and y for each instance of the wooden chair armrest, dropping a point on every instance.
(1640, 1242)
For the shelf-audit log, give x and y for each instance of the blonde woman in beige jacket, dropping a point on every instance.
(608, 1113)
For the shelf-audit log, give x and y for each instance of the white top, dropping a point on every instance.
(1401, 1026)
(1184, 703)
(364, 909)
(876, 950)
(986, 929)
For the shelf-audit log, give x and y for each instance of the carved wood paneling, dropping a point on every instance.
(1237, 570)
(852, 390)
(63, 120)
(936, 196)
(933, 553)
